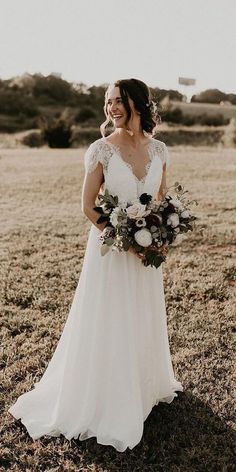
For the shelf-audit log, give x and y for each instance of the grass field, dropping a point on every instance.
(42, 244)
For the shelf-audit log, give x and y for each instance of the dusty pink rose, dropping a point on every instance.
(137, 210)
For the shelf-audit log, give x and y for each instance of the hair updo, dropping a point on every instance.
(139, 92)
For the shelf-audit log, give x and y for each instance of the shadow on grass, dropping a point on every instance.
(184, 436)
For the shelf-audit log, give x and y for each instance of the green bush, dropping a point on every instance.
(85, 114)
(57, 134)
(191, 137)
(213, 120)
(33, 139)
(13, 124)
(173, 116)
(53, 89)
(177, 116)
(13, 102)
(210, 96)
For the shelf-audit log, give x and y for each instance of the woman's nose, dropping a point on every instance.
(113, 107)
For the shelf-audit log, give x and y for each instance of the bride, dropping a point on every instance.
(112, 363)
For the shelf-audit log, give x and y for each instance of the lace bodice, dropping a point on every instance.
(119, 177)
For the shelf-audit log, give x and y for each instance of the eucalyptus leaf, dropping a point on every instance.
(126, 244)
(102, 219)
(153, 259)
(104, 249)
(98, 209)
(110, 241)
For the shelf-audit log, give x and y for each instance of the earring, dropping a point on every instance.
(131, 133)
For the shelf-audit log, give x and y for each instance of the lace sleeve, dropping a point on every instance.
(162, 152)
(92, 157)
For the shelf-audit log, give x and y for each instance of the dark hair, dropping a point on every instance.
(139, 92)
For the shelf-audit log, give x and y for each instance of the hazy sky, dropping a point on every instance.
(98, 41)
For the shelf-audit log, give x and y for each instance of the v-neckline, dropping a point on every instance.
(127, 164)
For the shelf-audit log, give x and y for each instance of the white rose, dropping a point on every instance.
(176, 203)
(173, 220)
(143, 237)
(137, 210)
(185, 214)
(177, 230)
(114, 216)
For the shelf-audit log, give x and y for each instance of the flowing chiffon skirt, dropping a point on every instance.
(112, 363)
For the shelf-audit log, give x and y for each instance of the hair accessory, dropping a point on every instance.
(152, 105)
(129, 131)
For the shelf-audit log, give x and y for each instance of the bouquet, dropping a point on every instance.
(146, 225)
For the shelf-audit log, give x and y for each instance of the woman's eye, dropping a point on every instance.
(118, 101)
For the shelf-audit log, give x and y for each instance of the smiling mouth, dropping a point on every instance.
(116, 117)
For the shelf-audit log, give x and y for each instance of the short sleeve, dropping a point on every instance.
(92, 157)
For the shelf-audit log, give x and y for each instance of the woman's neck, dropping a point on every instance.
(136, 139)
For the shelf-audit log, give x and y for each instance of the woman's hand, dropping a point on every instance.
(139, 255)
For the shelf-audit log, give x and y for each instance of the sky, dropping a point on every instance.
(99, 41)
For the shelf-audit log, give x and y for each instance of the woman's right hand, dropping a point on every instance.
(139, 255)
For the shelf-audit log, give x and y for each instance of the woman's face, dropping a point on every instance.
(116, 109)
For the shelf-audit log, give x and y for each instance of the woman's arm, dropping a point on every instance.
(162, 189)
(91, 186)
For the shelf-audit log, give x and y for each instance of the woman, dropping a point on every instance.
(112, 363)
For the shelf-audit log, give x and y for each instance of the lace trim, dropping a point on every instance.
(163, 152)
(94, 155)
(127, 164)
(102, 150)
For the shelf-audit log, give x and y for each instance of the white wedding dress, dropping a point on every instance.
(112, 363)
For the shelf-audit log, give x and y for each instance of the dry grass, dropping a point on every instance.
(43, 237)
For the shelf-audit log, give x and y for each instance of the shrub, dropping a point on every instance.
(33, 139)
(13, 102)
(212, 120)
(192, 137)
(53, 89)
(209, 96)
(85, 114)
(173, 116)
(57, 134)
(13, 124)
(176, 115)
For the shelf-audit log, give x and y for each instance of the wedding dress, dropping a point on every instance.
(112, 363)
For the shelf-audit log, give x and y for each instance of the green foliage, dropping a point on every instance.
(210, 96)
(33, 139)
(57, 133)
(177, 116)
(153, 259)
(159, 94)
(24, 99)
(13, 102)
(84, 114)
(213, 120)
(54, 89)
(173, 116)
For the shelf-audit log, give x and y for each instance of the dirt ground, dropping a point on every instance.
(42, 243)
